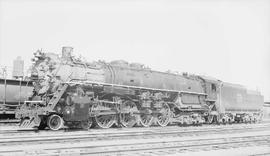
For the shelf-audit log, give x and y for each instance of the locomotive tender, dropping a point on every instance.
(76, 93)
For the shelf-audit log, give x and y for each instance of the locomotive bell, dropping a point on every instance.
(66, 53)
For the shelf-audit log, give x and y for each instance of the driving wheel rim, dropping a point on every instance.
(55, 122)
(105, 121)
(163, 119)
(146, 120)
(129, 119)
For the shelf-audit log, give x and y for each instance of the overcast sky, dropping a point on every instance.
(229, 40)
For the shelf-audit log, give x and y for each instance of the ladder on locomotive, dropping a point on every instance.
(57, 95)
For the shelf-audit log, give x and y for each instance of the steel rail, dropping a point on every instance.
(18, 140)
(28, 132)
(161, 145)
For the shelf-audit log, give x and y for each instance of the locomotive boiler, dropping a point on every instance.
(76, 93)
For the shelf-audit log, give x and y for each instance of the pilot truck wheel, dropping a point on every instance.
(55, 122)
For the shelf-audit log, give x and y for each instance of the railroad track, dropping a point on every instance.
(30, 131)
(178, 146)
(134, 141)
(50, 136)
(146, 146)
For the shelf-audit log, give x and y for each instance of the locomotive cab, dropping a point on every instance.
(211, 88)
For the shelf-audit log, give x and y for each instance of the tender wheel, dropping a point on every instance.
(146, 120)
(163, 119)
(224, 122)
(105, 121)
(230, 121)
(55, 122)
(129, 119)
(86, 124)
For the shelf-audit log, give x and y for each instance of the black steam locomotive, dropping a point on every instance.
(75, 93)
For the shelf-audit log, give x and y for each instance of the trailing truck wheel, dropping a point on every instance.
(129, 119)
(210, 119)
(163, 119)
(55, 122)
(105, 121)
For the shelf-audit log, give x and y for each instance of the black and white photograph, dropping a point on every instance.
(135, 77)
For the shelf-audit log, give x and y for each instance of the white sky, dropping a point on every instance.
(229, 40)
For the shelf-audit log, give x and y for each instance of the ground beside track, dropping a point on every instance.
(242, 139)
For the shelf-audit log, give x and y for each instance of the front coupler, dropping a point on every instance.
(30, 113)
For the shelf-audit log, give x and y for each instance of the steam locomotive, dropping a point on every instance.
(76, 93)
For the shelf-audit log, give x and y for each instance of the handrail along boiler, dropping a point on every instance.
(76, 93)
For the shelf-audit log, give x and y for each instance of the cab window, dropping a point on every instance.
(213, 88)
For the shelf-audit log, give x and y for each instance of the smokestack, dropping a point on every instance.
(66, 52)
